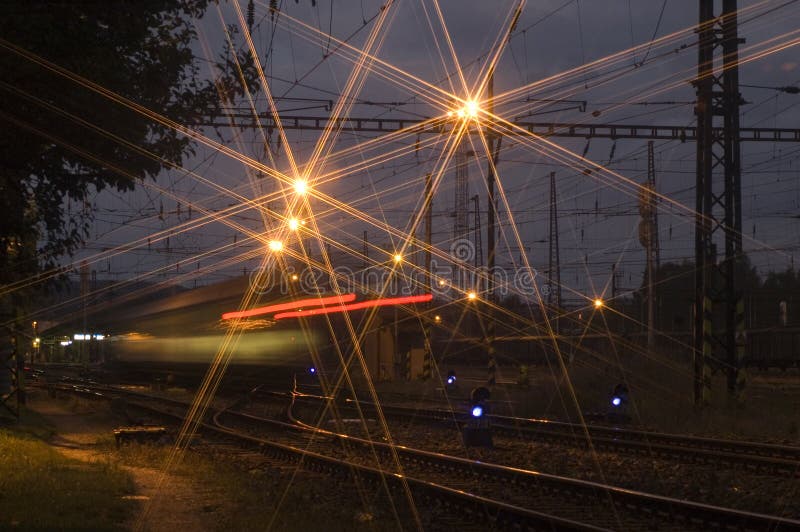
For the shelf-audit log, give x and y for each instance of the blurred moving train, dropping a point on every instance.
(185, 330)
(184, 327)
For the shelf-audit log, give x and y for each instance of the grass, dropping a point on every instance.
(41, 489)
(265, 498)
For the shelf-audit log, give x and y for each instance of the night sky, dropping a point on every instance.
(598, 214)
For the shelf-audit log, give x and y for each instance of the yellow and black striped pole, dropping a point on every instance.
(708, 351)
(741, 342)
(426, 361)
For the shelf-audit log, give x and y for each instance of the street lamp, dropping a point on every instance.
(472, 296)
(598, 303)
(275, 245)
(300, 186)
(470, 109)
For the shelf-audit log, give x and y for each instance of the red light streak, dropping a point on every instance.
(406, 300)
(290, 305)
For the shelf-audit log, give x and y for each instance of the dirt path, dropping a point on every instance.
(167, 504)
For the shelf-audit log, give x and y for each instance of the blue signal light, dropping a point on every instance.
(477, 411)
(616, 401)
(312, 370)
(451, 379)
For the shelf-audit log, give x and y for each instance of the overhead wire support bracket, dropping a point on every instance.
(541, 129)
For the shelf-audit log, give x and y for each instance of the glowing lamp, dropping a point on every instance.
(294, 224)
(398, 258)
(471, 108)
(620, 395)
(301, 186)
(275, 245)
(598, 303)
(312, 370)
(472, 296)
(477, 431)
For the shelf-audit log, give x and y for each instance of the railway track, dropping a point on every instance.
(530, 499)
(773, 459)
(289, 444)
(754, 456)
(626, 509)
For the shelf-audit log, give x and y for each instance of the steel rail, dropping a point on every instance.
(768, 457)
(662, 508)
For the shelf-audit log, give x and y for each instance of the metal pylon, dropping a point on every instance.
(461, 221)
(554, 264)
(477, 262)
(648, 237)
(718, 313)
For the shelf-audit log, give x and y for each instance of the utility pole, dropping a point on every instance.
(478, 259)
(461, 223)
(718, 200)
(365, 252)
(648, 237)
(84, 282)
(554, 265)
(428, 230)
(491, 216)
(614, 281)
(428, 273)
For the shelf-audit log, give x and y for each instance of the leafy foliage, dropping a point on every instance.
(60, 140)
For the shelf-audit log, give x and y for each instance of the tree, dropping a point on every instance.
(780, 289)
(60, 140)
(676, 296)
